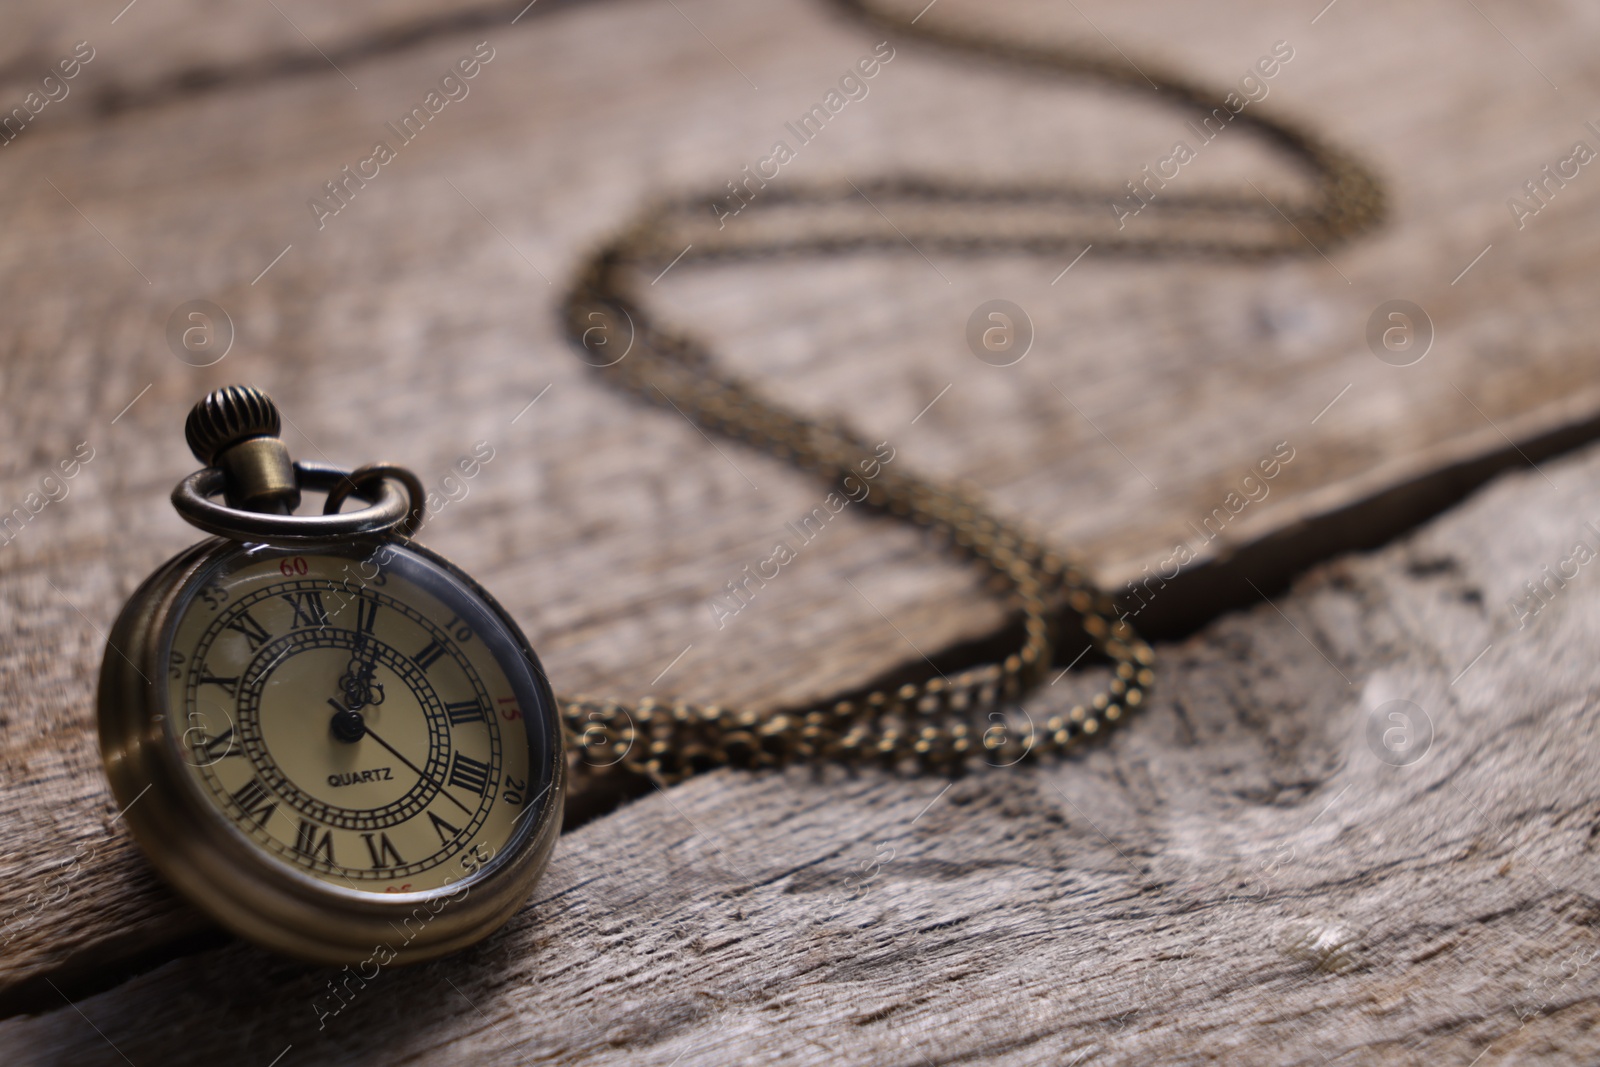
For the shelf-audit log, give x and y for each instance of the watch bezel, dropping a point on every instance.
(212, 863)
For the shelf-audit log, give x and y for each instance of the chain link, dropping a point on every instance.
(935, 724)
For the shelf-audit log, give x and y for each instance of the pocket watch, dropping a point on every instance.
(328, 738)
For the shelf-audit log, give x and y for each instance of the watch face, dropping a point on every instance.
(361, 716)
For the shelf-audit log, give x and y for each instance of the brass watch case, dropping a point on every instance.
(207, 859)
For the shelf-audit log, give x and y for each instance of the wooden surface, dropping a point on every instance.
(421, 320)
(1236, 878)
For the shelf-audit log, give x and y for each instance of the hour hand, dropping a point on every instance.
(356, 683)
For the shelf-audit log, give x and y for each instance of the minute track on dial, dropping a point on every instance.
(441, 793)
(253, 726)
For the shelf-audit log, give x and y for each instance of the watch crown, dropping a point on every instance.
(226, 416)
(236, 428)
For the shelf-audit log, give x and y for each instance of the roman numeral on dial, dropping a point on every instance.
(463, 712)
(428, 655)
(219, 747)
(366, 614)
(308, 608)
(468, 773)
(255, 802)
(231, 684)
(253, 631)
(382, 851)
(441, 827)
(308, 843)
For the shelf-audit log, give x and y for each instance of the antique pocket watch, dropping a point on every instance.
(327, 737)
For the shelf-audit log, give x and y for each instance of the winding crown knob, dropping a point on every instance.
(236, 428)
(227, 416)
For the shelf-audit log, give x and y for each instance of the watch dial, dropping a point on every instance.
(362, 717)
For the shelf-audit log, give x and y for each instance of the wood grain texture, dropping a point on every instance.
(421, 320)
(144, 53)
(1237, 878)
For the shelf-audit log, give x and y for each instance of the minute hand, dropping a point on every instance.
(401, 757)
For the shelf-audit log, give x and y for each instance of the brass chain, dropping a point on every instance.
(936, 724)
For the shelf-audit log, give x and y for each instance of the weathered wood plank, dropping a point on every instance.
(1236, 877)
(408, 327)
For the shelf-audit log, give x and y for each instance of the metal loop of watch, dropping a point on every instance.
(392, 509)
